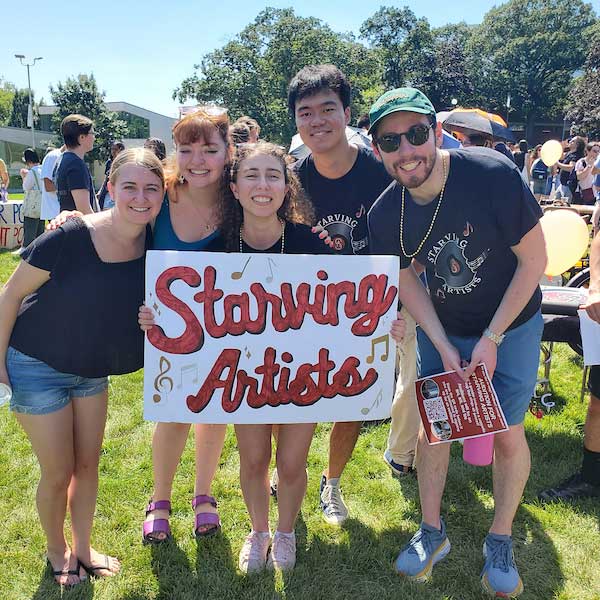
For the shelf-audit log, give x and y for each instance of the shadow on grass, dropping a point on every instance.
(359, 560)
(213, 575)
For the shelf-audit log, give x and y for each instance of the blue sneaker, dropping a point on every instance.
(427, 547)
(500, 576)
(397, 469)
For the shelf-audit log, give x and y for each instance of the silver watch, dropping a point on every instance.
(497, 339)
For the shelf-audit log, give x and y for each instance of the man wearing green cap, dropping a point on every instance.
(467, 218)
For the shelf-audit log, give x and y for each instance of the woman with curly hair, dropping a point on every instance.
(270, 215)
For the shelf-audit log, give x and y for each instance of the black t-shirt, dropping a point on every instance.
(83, 320)
(486, 209)
(341, 205)
(299, 239)
(72, 174)
(572, 157)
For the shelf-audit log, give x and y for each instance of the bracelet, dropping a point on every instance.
(497, 339)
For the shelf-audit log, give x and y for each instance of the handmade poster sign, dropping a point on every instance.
(264, 338)
(452, 409)
(11, 224)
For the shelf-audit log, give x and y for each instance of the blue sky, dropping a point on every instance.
(139, 52)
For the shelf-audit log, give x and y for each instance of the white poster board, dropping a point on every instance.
(11, 224)
(265, 338)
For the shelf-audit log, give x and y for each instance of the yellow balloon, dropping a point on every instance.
(567, 239)
(551, 152)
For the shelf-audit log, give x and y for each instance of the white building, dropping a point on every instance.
(144, 123)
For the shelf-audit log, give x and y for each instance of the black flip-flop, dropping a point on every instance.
(91, 571)
(58, 573)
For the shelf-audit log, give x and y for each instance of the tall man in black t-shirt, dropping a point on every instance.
(74, 185)
(469, 219)
(343, 181)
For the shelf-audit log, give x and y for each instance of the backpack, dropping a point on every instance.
(539, 171)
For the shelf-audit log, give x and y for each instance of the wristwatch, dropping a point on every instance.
(497, 339)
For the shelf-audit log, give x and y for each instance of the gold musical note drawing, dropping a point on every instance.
(156, 308)
(240, 274)
(186, 370)
(162, 383)
(270, 262)
(385, 339)
(376, 403)
(247, 352)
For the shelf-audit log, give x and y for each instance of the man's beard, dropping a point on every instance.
(413, 180)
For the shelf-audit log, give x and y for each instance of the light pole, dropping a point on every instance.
(21, 58)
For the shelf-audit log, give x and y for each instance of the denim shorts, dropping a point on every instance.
(38, 389)
(516, 369)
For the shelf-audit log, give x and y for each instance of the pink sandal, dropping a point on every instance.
(150, 529)
(205, 519)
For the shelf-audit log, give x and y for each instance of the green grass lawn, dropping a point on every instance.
(15, 196)
(557, 548)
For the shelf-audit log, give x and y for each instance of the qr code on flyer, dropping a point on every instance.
(435, 410)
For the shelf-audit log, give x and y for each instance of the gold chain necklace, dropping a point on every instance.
(282, 237)
(435, 214)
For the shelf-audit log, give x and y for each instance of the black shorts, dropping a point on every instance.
(594, 381)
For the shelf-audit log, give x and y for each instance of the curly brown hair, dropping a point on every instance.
(296, 207)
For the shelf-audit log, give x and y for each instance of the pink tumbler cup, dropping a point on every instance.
(479, 451)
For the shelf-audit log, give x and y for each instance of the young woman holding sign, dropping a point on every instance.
(272, 216)
(89, 265)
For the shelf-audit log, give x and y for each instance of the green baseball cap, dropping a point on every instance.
(406, 99)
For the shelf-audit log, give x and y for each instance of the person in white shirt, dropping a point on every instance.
(50, 206)
(33, 226)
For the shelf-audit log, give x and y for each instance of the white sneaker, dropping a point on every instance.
(253, 555)
(283, 552)
(335, 512)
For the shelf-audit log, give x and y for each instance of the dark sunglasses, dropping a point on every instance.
(417, 135)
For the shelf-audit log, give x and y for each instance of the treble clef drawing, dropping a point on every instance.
(162, 383)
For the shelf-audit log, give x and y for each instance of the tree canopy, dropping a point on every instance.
(20, 108)
(250, 74)
(7, 92)
(584, 99)
(81, 95)
(530, 48)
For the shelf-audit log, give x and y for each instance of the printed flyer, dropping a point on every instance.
(452, 409)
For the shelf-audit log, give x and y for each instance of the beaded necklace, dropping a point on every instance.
(435, 214)
(282, 237)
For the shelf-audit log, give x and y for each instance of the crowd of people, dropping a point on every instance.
(574, 178)
(225, 190)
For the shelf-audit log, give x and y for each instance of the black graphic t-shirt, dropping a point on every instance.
(485, 210)
(341, 205)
